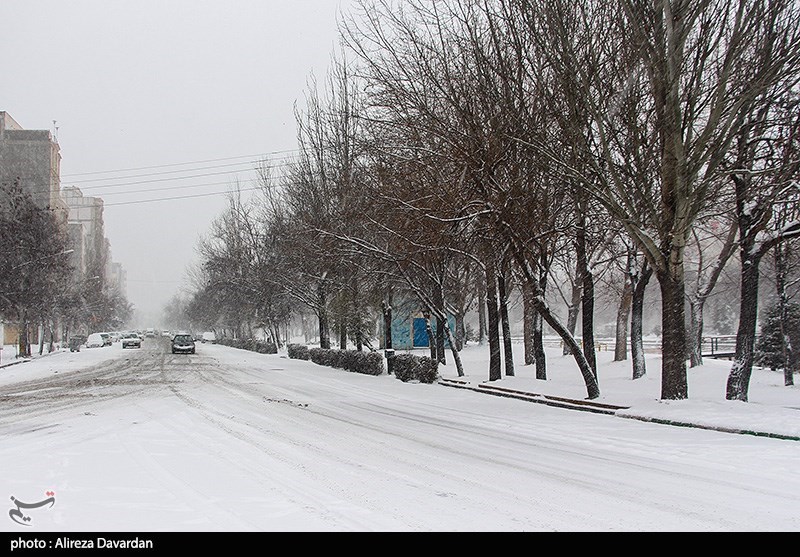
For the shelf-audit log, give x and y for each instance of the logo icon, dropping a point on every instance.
(16, 514)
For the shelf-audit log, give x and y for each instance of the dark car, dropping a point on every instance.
(183, 343)
(75, 343)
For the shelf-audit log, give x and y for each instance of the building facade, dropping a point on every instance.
(87, 232)
(32, 158)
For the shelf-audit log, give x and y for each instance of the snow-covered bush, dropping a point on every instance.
(260, 346)
(298, 351)
(368, 363)
(408, 367)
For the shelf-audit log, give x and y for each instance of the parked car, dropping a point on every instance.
(131, 340)
(108, 340)
(209, 336)
(183, 343)
(95, 340)
(75, 343)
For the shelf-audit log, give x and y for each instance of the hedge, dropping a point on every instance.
(369, 363)
(298, 351)
(408, 367)
(260, 346)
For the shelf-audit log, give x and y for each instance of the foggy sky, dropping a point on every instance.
(146, 83)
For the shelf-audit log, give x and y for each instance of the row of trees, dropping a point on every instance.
(38, 286)
(461, 149)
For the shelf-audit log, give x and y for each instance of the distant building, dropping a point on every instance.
(118, 278)
(92, 255)
(87, 232)
(32, 158)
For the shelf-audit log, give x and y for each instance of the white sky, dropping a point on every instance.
(143, 83)
(232, 440)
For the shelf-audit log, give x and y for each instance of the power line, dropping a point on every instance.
(45, 190)
(182, 163)
(285, 160)
(169, 179)
(189, 186)
(162, 173)
(176, 197)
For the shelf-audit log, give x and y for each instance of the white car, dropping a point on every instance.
(95, 340)
(209, 336)
(131, 340)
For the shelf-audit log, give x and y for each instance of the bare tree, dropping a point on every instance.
(723, 244)
(442, 76)
(764, 170)
(680, 62)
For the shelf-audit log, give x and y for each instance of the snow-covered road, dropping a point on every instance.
(227, 440)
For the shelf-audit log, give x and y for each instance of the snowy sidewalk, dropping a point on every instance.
(624, 411)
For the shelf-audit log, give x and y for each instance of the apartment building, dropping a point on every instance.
(33, 159)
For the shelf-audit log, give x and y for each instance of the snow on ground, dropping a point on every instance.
(228, 440)
(772, 407)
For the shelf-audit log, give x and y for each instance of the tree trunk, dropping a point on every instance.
(24, 345)
(587, 298)
(739, 377)
(637, 311)
(461, 332)
(786, 342)
(574, 307)
(441, 325)
(42, 329)
(431, 337)
(528, 323)
(673, 330)
(538, 325)
(324, 327)
(508, 356)
(696, 332)
(481, 314)
(51, 328)
(343, 332)
(387, 333)
(589, 378)
(539, 357)
(453, 350)
(493, 323)
(703, 291)
(623, 314)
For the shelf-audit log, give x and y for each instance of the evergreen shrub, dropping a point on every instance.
(408, 367)
(298, 351)
(769, 347)
(260, 346)
(368, 363)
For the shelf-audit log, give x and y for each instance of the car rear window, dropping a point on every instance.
(183, 338)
